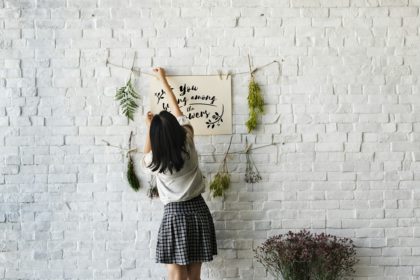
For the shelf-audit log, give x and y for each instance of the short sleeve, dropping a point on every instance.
(145, 162)
(183, 120)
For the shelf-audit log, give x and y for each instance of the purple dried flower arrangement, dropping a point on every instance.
(307, 256)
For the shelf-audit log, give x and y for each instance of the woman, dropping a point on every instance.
(186, 236)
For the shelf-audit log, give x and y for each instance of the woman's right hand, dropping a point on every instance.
(171, 99)
(160, 73)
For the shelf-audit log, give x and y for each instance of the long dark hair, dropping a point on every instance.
(167, 139)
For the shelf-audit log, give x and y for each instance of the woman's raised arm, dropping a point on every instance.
(173, 103)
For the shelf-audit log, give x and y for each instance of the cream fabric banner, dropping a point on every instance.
(205, 100)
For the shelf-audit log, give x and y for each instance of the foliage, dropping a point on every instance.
(335, 257)
(221, 180)
(255, 104)
(131, 175)
(127, 96)
(251, 175)
(307, 256)
(220, 183)
(152, 192)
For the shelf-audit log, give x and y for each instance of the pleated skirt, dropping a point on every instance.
(186, 233)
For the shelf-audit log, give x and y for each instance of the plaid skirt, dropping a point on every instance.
(186, 233)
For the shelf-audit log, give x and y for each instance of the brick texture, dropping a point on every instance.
(346, 107)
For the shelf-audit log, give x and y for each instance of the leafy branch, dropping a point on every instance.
(221, 180)
(131, 174)
(127, 96)
(255, 100)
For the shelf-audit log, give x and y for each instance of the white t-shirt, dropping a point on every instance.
(181, 185)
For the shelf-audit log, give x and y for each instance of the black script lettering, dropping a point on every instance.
(204, 98)
(182, 101)
(200, 114)
(160, 95)
(184, 89)
(165, 106)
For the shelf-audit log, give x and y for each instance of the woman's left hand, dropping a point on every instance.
(149, 117)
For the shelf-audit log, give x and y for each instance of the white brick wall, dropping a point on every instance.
(347, 107)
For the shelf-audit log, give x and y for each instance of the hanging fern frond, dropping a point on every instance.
(127, 96)
(131, 175)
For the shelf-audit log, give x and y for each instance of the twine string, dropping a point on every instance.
(138, 71)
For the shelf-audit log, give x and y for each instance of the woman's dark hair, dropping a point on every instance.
(167, 139)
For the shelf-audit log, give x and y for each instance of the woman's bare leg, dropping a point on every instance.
(194, 271)
(177, 272)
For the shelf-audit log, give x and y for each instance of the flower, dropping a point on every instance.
(307, 256)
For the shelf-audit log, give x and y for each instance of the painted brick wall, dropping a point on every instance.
(346, 106)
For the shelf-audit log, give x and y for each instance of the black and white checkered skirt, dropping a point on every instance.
(186, 233)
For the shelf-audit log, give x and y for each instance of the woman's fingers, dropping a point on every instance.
(160, 71)
(149, 117)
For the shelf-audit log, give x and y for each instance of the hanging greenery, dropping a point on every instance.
(127, 96)
(221, 180)
(152, 192)
(251, 175)
(131, 175)
(255, 104)
(255, 99)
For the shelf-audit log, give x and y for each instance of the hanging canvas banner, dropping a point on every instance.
(205, 100)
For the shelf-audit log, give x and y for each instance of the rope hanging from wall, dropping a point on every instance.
(138, 70)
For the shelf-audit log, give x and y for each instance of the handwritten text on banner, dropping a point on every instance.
(205, 100)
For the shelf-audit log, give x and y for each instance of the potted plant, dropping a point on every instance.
(307, 256)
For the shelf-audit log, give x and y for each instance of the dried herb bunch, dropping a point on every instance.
(152, 192)
(255, 100)
(255, 104)
(307, 256)
(221, 180)
(127, 96)
(252, 175)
